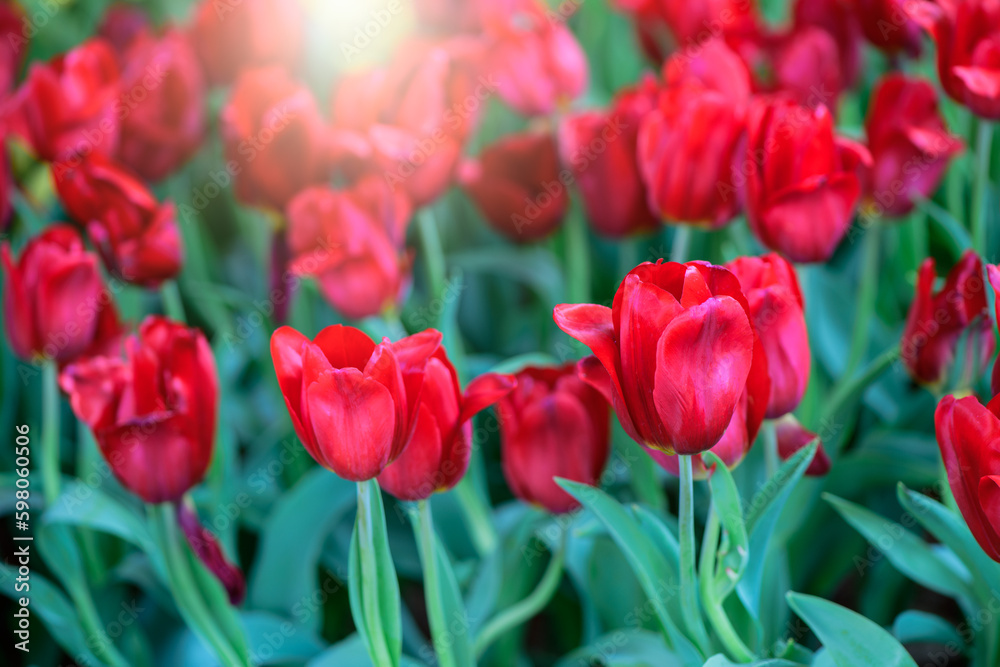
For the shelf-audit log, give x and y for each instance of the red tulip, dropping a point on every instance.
(677, 352)
(354, 404)
(802, 182)
(806, 67)
(839, 20)
(121, 24)
(993, 272)
(936, 323)
(163, 119)
(352, 242)
(887, 25)
(687, 145)
(517, 185)
(549, 409)
(67, 106)
(909, 142)
(152, 413)
(437, 455)
(136, 236)
(675, 25)
(274, 137)
(205, 545)
(792, 437)
(968, 434)
(233, 36)
(776, 307)
(600, 148)
(13, 47)
(55, 304)
(967, 34)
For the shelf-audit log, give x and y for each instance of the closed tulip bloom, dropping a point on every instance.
(354, 404)
(805, 184)
(938, 320)
(68, 105)
(552, 424)
(839, 20)
(665, 26)
(136, 236)
(206, 546)
(806, 67)
(993, 273)
(777, 309)
(909, 141)
(968, 434)
(437, 455)
(274, 133)
(687, 145)
(55, 303)
(351, 241)
(792, 437)
(600, 148)
(166, 126)
(967, 34)
(152, 413)
(887, 26)
(674, 355)
(516, 184)
(12, 49)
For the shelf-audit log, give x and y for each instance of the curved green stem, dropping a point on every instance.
(681, 243)
(577, 257)
(172, 304)
(981, 185)
(433, 255)
(689, 579)
(519, 613)
(716, 614)
(426, 542)
(867, 294)
(477, 517)
(50, 432)
(381, 654)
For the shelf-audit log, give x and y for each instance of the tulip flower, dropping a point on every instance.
(776, 308)
(136, 236)
(12, 49)
(234, 36)
(449, 16)
(803, 183)
(274, 138)
(887, 26)
(909, 142)
(68, 106)
(792, 437)
(208, 550)
(937, 322)
(665, 26)
(687, 145)
(674, 355)
(600, 148)
(55, 303)
(352, 242)
(552, 425)
(966, 33)
(354, 404)
(837, 19)
(437, 455)
(163, 119)
(122, 23)
(806, 67)
(993, 273)
(518, 187)
(968, 434)
(153, 413)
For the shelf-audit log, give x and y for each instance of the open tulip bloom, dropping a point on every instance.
(500, 332)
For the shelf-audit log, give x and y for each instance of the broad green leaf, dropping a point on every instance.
(81, 504)
(850, 638)
(623, 648)
(278, 640)
(921, 627)
(351, 652)
(217, 600)
(722, 661)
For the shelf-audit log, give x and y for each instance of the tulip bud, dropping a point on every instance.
(153, 413)
(838, 20)
(792, 437)
(205, 545)
(887, 26)
(549, 409)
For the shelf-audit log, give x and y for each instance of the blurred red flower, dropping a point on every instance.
(888, 26)
(791, 437)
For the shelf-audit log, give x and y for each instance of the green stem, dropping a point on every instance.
(681, 243)
(955, 182)
(867, 294)
(433, 255)
(689, 580)
(716, 614)
(577, 257)
(981, 185)
(477, 517)
(369, 579)
(172, 304)
(50, 432)
(515, 615)
(851, 388)
(771, 458)
(427, 543)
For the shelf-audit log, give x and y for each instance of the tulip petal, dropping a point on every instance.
(989, 499)
(17, 311)
(416, 473)
(344, 346)
(826, 204)
(483, 392)
(592, 325)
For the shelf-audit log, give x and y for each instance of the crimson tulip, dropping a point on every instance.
(676, 355)
(909, 142)
(802, 182)
(13, 48)
(993, 273)
(777, 309)
(600, 148)
(837, 19)
(352, 242)
(687, 144)
(137, 236)
(152, 413)
(517, 185)
(792, 437)
(937, 321)
(121, 24)
(55, 303)
(68, 106)
(665, 26)
(274, 137)
(968, 434)
(552, 424)
(806, 66)
(437, 455)
(205, 545)
(887, 25)
(163, 119)
(354, 404)
(966, 33)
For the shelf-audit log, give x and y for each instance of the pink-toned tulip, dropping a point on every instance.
(792, 437)
(354, 404)
(666, 26)
(549, 408)
(600, 148)
(121, 24)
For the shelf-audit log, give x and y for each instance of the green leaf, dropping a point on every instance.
(81, 504)
(850, 638)
(733, 561)
(623, 648)
(921, 627)
(285, 641)
(722, 661)
(906, 551)
(217, 600)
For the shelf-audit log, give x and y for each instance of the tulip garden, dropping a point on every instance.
(500, 332)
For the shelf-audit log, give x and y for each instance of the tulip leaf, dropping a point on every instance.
(623, 648)
(286, 641)
(851, 639)
(217, 600)
(734, 555)
(81, 504)
(722, 661)
(351, 652)
(905, 550)
(920, 627)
